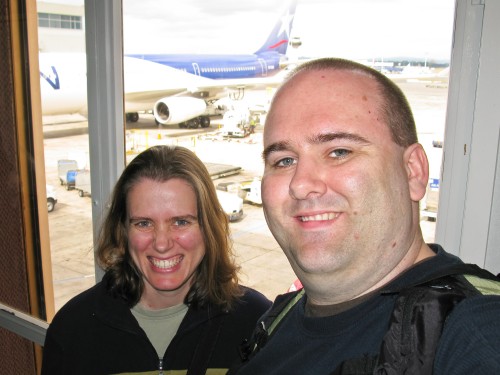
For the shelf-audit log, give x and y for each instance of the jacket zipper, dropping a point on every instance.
(160, 367)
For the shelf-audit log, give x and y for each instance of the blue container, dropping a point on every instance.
(71, 177)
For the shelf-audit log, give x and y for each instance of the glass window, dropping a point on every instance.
(59, 21)
(418, 66)
(387, 35)
(43, 20)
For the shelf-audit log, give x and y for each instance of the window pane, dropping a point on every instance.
(388, 35)
(195, 28)
(63, 85)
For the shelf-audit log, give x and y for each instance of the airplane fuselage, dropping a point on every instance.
(220, 66)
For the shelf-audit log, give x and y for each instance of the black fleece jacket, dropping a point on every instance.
(95, 333)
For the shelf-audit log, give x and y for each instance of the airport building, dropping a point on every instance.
(61, 27)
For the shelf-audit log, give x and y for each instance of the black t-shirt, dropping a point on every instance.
(306, 345)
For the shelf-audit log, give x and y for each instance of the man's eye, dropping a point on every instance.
(285, 162)
(340, 153)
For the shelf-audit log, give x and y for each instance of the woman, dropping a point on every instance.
(170, 298)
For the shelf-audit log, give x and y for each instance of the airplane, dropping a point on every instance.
(174, 95)
(267, 60)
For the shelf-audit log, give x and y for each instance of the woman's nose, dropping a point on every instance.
(163, 239)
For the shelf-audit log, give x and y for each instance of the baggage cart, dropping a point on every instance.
(82, 183)
(63, 166)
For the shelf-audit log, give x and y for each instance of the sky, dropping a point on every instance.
(358, 29)
(343, 28)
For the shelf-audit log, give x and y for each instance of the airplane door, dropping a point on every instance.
(263, 67)
(196, 69)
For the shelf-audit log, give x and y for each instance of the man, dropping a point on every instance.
(344, 174)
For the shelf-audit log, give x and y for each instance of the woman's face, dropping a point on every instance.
(165, 239)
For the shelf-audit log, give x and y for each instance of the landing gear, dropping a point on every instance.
(194, 123)
(132, 117)
(205, 121)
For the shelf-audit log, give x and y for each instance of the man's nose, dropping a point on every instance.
(307, 181)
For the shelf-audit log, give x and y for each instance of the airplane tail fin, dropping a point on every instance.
(279, 37)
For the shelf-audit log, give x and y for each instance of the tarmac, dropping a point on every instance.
(263, 264)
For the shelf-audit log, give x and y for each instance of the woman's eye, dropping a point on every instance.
(285, 162)
(142, 224)
(181, 222)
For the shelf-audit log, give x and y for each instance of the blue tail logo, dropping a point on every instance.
(279, 37)
(52, 78)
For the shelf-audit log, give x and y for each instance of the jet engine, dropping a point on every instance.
(178, 109)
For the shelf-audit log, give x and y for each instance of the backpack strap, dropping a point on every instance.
(416, 325)
(268, 324)
(417, 322)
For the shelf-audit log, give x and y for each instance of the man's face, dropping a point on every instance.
(335, 186)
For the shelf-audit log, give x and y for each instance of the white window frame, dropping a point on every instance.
(468, 219)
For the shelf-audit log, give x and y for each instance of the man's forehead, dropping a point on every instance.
(308, 90)
(341, 92)
(320, 77)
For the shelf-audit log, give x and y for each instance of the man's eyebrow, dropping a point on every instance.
(328, 137)
(317, 139)
(275, 147)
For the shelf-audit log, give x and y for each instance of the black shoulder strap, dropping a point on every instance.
(416, 323)
(269, 322)
(452, 270)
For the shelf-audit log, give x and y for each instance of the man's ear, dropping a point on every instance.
(417, 169)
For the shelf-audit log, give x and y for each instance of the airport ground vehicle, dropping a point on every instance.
(235, 124)
(231, 204)
(247, 190)
(51, 198)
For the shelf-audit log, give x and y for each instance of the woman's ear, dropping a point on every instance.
(417, 168)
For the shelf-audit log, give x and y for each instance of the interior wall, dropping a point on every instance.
(16, 354)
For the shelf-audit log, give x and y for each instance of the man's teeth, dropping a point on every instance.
(165, 263)
(319, 217)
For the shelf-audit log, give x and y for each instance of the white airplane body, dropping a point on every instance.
(174, 95)
(63, 83)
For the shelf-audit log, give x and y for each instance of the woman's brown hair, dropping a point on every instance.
(216, 279)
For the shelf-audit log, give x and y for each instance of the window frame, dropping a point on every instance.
(457, 226)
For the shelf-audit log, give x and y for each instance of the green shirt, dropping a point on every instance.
(160, 325)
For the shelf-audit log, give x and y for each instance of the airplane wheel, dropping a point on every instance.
(205, 122)
(134, 117)
(194, 123)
